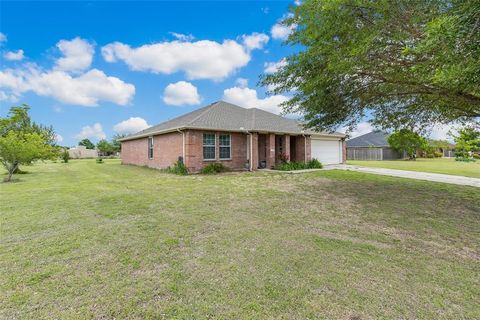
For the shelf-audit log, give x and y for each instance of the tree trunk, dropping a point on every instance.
(11, 170)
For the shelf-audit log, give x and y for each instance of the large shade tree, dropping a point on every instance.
(405, 63)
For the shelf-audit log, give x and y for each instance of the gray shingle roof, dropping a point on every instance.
(224, 116)
(374, 138)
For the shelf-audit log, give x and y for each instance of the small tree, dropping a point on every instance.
(65, 155)
(105, 147)
(22, 149)
(87, 144)
(23, 141)
(407, 141)
(467, 141)
(117, 145)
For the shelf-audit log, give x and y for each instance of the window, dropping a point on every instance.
(150, 147)
(224, 143)
(208, 146)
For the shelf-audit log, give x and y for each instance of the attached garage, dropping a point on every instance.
(327, 151)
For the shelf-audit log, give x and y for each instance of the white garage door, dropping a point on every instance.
(327, 151)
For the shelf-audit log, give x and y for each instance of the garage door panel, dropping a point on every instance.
(327, 151)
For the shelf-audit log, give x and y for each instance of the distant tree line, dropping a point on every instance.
(104, 146)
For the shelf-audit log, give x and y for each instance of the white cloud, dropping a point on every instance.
(272, 67)
(58, 138)
(297, 2)
(78, 55)
(8, 97)
(3, 37)
(242, 82)
(280, 31)
(203, 59)
(14, 56)
(361, 129)
(255, 40)
(132, 125)
(85, 90)
(247, 98)
(180, 94)
(442, 131)
(183, 37)
(91, 132)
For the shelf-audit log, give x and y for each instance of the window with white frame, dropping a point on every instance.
(209, 146)
(224, 141)
(150, 147)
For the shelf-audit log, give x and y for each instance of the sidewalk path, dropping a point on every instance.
(437, 177)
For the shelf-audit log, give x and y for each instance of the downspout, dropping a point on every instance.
(183, 144)
(305, 147)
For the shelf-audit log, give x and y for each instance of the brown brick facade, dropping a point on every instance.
(300, 143)
(194, 150)
(167, 148)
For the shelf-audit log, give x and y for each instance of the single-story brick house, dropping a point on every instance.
(371, 146)
(239, 138)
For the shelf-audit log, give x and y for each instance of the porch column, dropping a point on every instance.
(270, 150)
(254, 151)
(286, 146)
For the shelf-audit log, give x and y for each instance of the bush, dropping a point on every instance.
(65, 155)
(290, 166)
(465, 159)
(213, 168)
(99, 160)
(314, 164)
(178, 168)
(476, 156)
(438, 154)
(430, 155)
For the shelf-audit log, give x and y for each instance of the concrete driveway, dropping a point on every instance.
(437, 177)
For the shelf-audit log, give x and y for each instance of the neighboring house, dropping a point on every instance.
(371, 146)
(239, 138)
(81, 152)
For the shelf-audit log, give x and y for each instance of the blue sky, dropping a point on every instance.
(91, 69)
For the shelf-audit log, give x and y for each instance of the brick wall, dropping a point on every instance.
(166, 150)
(270, 145)
(300, 148)
(194, 150)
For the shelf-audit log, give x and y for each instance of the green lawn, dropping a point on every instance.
(85, 240)
(439, 165)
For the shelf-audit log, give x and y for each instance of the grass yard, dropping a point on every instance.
(438, 165)
(85, 240)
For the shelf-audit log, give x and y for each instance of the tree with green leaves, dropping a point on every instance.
(87, 144)
(466, 142)
(105, 147)
(406, 63)
(408, 142)
(117, 145)
(22, 141)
